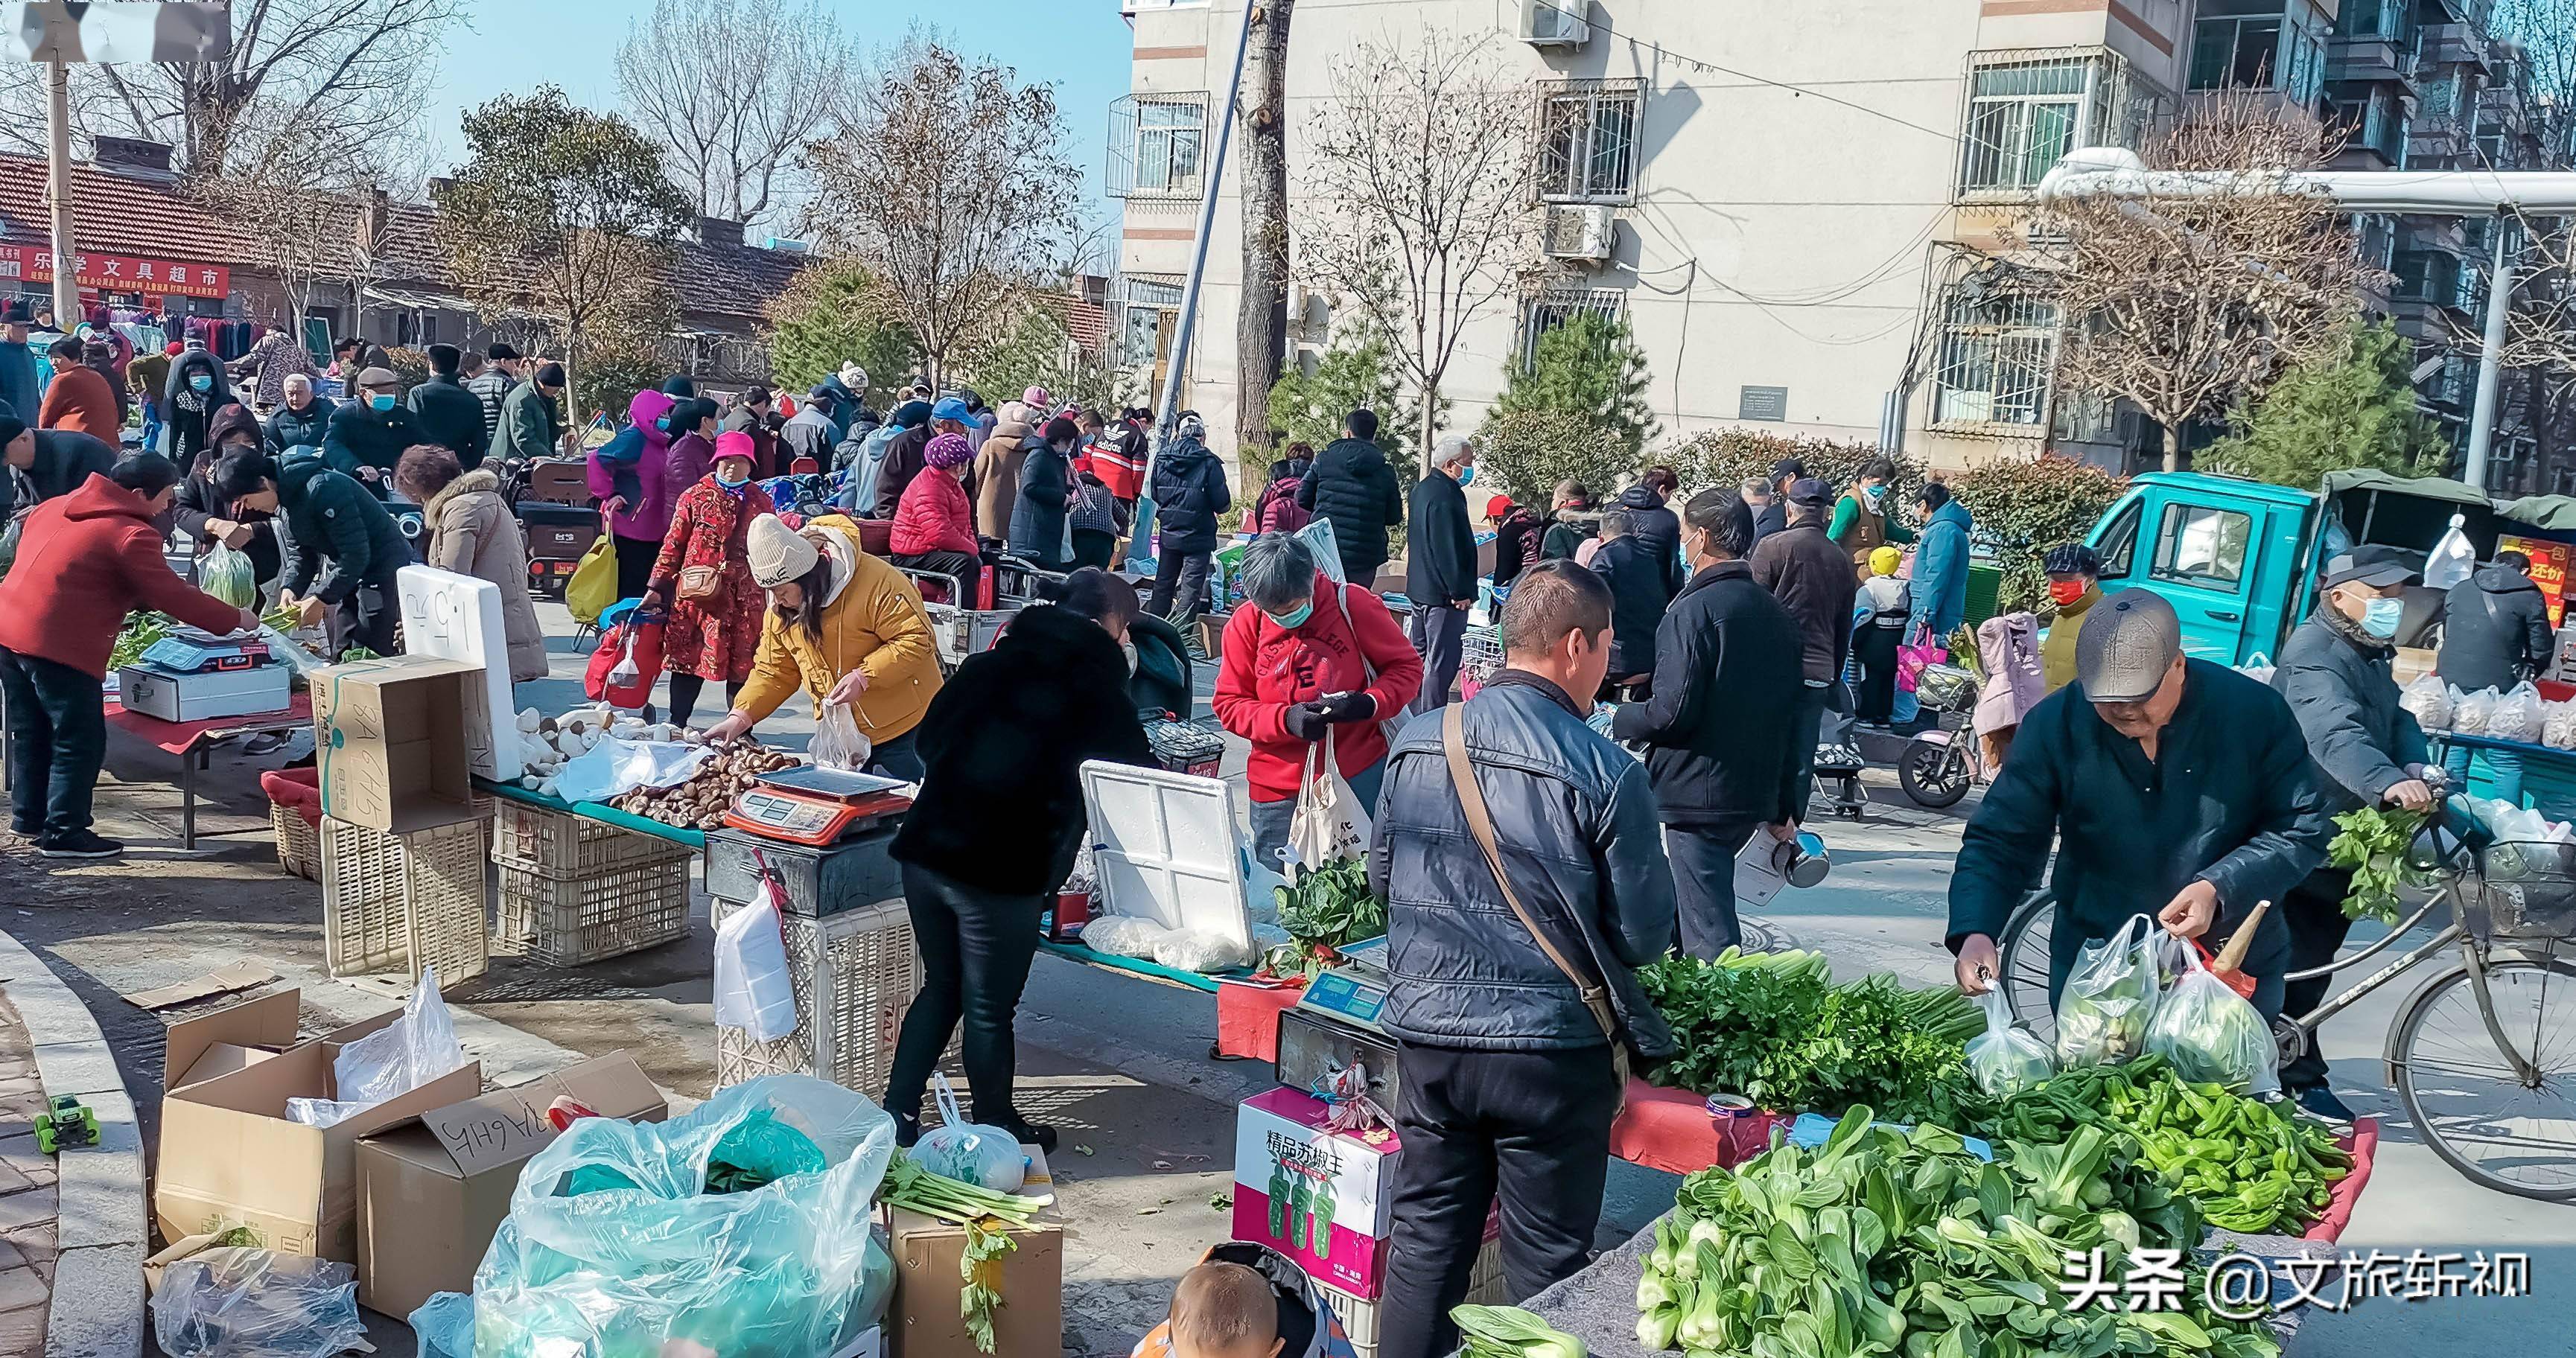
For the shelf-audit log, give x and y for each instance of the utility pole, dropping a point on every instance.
(2482, 418)
(58, 188)
(1261, 322)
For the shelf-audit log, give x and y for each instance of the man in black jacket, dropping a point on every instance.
(1718, 728)
(2367, 751)
(1351, 485)
(369, 434)
(1508, 1079)
(1189, 494)
(1440, 567)
(1773, 514)
(1654, 525)
(303, 421)
(1813, 579)
(2495, 634)
(445, 412)
(341, 549)
(1639, 595)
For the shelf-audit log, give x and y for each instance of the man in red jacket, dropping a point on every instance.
(1304, 657)
(85, 560)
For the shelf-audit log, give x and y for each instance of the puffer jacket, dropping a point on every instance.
(337, 536)
(2338, 686)
(1352, 485)
(935, 516)
(1189, 495)
(1941, 571)
(997, 472)
(1575, 821)
(292, 428)
(1656, 528)
(2495, 630)
(872, 622)
(1037, 516)
(647, 492)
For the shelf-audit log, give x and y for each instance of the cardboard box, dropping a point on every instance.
(228, 1040)
(204, 697)
(924, 1323)
(431, 1194)
(1212, 633)
(1323, 1198)
(395, 752)
(229, 1157)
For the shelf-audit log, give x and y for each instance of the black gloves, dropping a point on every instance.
(1349, 707)
(1306, 721)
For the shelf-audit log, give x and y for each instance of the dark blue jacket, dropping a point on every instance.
(2229, 800)
(306, 428)
(2346, 703)
(337, 536)
(1037, 512)
(1727, 683)
(1576, 825)
(1941, 571)
(1189, 493)
(1440, 549)
(1352, 485)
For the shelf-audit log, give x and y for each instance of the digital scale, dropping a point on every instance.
(186, 650)
(1336, 1023)
(1355, 992)
(815, 806)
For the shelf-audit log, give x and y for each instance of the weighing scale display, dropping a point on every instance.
(1346, 997)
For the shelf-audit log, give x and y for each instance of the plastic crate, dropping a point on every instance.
(573, 921)
(855, 977)
(403, 903)
(1361, 1318)
(299, 846)
(1480, 655)
(562, 845)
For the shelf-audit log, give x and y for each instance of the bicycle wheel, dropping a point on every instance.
(1934, 775)
(2024, 958)
(2490, 1124)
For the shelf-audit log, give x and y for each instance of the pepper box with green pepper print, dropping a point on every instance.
(1321, 1197)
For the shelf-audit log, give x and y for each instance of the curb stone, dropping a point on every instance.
(100, 1222)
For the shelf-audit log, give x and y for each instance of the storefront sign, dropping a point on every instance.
(2549, 561)
(118, 273)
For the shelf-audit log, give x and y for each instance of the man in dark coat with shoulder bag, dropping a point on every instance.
(1719, 730)
(1525, 877)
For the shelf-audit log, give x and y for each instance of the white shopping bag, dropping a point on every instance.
(753, 990)
(1329, 822)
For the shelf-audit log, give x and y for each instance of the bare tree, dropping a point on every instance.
(941, 178)
(1420, 170)
(2183, 304)
(358, 67)
(734, 88)
(1261, 322)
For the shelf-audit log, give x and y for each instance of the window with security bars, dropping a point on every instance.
(2025, 115)
(1149, 306)
(1996, 351)
(1155, 144)
(1542, 312)
(1588, 142)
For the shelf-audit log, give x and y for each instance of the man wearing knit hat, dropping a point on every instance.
(532, 426)
(2173, 788)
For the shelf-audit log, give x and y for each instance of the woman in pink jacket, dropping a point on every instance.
(635, 492)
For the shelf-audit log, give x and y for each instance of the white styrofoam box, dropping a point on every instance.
(203, 697)
(1165, 847)
(447, 616)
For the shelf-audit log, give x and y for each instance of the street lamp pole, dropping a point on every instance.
(2482, 421)
(58, 190)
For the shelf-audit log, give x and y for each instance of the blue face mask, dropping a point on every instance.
(1467, 476)
(381, 401)
(733, 483)
(2379, 618)
(202, 382)
(1293, 621)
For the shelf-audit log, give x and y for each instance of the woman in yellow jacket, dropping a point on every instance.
(847, 628)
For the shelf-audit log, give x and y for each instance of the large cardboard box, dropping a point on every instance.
(395, 737)
(431, 1194)
(924, 1322)
(230, 1157)
(229, 1039)
(1323, 1198)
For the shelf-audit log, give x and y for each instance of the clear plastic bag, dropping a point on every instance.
(389, 1062)
(2517, 715)
(2430, 700)
(1123, 936)
(2003, 1059)
(1190, 950)
(2212, 1035)
(754, 991)
(248, 1303)
(2471, 713)
(226, 573)
(2558, 726)
(616, 1245)
(986, 1156)
(2110, 999)
(837, 743)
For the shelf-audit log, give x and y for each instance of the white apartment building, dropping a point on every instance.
(1791, 203)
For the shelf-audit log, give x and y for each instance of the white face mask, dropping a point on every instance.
(1130, 648)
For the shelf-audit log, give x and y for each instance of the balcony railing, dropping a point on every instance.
(2458, 45)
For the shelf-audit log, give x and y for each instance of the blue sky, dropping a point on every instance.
(1080, 45)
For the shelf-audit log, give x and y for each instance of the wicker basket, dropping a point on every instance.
(573, 921)
(299, 846)
(404, 902)
(855, 978)
(565, 846)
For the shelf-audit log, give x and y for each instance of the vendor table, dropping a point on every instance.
(194, 743)
(1139, 967)
(598, 811)
(2548, 774)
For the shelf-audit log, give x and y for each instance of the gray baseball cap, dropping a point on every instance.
(2128, 643)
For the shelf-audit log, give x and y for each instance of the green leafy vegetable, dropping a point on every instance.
(2373, 845)
(140, 632)
(1324, 910)
(1510, 1332)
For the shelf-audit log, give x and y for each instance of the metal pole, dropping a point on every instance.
(2482, 421)
(1169, 410)
(58, 190)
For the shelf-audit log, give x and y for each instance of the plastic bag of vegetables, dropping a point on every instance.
(2110, 999)
(2003, 1059)
(227, 574)
(2211, 1035)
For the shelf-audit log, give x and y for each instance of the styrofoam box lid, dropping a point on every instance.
(1165, 847)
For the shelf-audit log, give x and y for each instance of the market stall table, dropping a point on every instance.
(194, 741)
(596, 811)
(1144, 969)
(2548, 773)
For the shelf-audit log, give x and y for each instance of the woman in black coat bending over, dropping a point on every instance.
(993, 835)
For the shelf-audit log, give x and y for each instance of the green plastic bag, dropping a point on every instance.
(227, 574)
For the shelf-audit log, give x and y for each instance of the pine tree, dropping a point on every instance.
(2353, 409)
(1590, 368)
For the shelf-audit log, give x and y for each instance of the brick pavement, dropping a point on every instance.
(27, 1227)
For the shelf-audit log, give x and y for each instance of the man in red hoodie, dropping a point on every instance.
(85, 560)
(1304, 656)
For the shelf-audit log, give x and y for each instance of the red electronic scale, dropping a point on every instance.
(815, 806)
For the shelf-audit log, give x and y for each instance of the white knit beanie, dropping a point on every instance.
(778, 553)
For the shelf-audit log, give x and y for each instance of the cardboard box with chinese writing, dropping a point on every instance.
(230, 1157)
(927, 1253)
(1322, 1198)
(393, 741)
(431, 1194)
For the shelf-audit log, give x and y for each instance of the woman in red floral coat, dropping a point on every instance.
(704, 576)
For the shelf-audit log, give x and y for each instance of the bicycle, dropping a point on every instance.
(2495, 1108)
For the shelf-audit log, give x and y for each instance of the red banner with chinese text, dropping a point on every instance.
(2549, 562)
(154, 277)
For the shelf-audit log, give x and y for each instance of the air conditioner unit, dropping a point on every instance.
(1555, 23)
(1580, 232)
